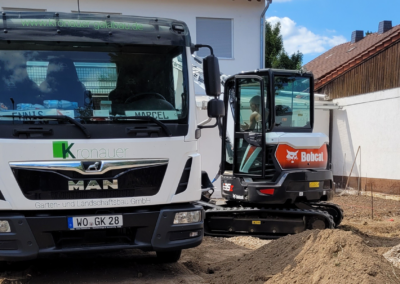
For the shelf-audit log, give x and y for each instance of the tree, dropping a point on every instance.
(273, 43)
(275, 54)
(284, 61)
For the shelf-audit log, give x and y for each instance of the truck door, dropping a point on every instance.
(249, 126)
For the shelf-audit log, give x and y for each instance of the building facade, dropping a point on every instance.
(363, 78)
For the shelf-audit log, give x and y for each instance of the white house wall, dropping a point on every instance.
(321, 121)
(372, 122)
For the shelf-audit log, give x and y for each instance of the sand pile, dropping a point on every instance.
(328, 256)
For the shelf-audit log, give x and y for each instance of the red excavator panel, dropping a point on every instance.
(291, 158)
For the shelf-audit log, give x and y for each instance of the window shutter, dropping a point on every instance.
(217, 33)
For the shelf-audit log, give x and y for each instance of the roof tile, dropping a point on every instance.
(340, 54)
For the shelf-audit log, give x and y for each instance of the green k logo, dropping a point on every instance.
(61, 149)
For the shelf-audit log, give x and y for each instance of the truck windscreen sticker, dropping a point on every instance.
(20, 114)
(157, 114)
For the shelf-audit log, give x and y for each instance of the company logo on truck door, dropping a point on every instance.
(290, 158)
(65, 150)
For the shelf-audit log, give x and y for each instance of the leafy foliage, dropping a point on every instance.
(275, 54)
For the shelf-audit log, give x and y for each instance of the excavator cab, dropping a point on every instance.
(270, 101)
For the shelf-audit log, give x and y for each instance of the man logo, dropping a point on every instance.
(61, 149)
(94, 167)
(291, 156)
(92, 184)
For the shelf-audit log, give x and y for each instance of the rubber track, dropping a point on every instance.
(273, 211)
(331, 205)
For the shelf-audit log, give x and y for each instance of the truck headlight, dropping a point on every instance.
(4, 226)
(187, 217)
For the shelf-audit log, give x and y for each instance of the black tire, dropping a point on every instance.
(169, 256)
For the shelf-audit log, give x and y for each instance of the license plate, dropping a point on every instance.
(95, 222)
(314, 184)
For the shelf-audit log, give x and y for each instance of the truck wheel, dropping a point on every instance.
(169, 256)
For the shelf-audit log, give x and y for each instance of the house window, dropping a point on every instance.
(215, 32)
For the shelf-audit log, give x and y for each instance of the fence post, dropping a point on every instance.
(372, 200)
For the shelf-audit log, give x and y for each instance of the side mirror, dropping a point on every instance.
(215, 108)
(212, 81)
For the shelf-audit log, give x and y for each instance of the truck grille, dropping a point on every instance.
(54, 184)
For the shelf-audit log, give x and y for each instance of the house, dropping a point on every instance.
(363, 77)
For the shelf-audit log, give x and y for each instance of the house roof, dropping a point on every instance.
(341, 58)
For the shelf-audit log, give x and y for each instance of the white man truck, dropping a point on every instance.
(98, 135)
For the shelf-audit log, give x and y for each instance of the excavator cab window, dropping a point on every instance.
(292, 101)
(250, 111)
(249, 125)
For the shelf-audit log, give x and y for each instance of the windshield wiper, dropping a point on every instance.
(146, 118)
(56, 117)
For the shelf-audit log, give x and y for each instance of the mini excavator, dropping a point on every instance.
(275, 172)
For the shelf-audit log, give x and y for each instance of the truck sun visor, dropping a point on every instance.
(93, 28)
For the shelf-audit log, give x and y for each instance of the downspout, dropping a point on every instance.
(262, 34)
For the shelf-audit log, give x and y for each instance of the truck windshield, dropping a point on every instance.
(292, 101)
(94, 83)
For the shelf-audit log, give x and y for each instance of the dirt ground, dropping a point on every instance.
(381, 232)
(350, 254)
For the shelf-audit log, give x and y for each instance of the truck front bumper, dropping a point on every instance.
(35, 234)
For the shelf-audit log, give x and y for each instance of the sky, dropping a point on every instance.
(315, 26)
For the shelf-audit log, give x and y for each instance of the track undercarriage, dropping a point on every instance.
(269, 222)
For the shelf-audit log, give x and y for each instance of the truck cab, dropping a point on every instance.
(98, 135)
